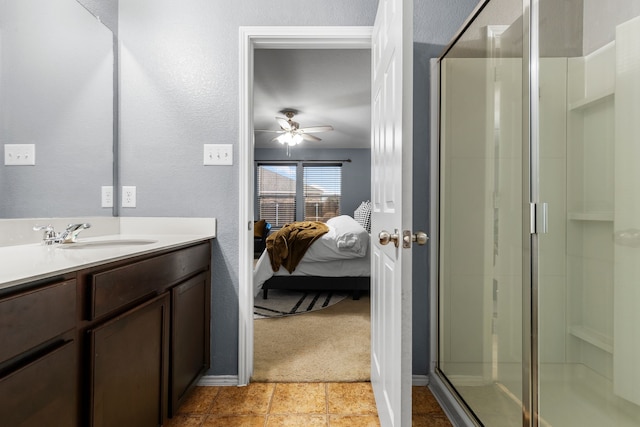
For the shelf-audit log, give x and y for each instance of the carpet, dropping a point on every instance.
(330, 345)
(283, 302)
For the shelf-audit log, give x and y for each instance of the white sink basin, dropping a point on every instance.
(107, 243)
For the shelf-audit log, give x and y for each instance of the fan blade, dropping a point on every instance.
(269, 130)
(314, 129)
(284, 124)
(309, 137)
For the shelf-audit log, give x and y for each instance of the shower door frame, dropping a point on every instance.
(533, 221)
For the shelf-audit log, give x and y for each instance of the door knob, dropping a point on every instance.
(419, 237)
(386, 237)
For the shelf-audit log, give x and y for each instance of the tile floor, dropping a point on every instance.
(297, 405)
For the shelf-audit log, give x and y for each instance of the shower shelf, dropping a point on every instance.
(595, 338)
(590, 101)
(591, 216)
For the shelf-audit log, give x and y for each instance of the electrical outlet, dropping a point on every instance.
(20, 154)
(107, 196)
(128, 196)
(218, 154)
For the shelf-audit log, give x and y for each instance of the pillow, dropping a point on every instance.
(346, 239)
(258, 228)
(349, 234)
(362, 214)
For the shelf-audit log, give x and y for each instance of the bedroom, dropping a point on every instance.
(326, 87)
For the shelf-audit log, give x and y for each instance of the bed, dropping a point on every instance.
(339, 260)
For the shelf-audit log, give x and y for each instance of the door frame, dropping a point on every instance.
(252, 38)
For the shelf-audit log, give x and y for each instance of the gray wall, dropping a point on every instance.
(601, 18)
(435, 23)
(56, 80)
(356, 175)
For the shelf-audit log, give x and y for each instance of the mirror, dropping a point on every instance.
(57, 74)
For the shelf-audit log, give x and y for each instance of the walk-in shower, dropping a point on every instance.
(538, 281)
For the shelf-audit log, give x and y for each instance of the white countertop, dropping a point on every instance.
(25, 263)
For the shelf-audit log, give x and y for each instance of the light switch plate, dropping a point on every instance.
(218, 154)
(19, 154)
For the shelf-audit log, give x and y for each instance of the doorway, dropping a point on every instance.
(253, 38)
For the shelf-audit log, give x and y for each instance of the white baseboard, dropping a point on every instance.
(420, 380)
(218, 380)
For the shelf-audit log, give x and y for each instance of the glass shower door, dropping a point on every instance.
(480, 319)
(589, 174)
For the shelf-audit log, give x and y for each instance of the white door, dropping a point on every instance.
(391, 188)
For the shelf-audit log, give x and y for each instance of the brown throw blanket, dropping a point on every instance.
(288, 245)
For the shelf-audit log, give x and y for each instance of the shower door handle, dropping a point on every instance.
(539, 217)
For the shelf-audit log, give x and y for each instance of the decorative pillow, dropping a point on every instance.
(363, 215)
(258, 228)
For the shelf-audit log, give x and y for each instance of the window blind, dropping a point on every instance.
(322, 191)
(277, 193)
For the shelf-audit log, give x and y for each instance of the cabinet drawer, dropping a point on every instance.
(30, 319)
(42, 393)
(120, 286)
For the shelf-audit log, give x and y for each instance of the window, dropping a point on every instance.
(277, 193)
(322, 189)
(299, 191)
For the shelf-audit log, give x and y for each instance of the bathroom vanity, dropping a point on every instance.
(111, 335)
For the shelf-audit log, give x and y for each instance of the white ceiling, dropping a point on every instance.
(327, 87)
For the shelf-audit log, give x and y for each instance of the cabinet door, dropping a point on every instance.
(129, 367)
(189, 337)
(43, 392)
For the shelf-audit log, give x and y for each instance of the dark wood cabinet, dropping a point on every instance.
(117, 344)
(38, 369)
(129, 364)
(42, 392)
(149, 335)
(190, 305)
(118, 286)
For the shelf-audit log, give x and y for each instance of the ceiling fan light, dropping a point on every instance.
(290, 138)
(285, 138)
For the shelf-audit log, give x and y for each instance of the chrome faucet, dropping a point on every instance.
(67, 236)
(71, 233)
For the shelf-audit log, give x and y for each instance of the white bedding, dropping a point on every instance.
(345, 239)
(343, 251)
(354, 267)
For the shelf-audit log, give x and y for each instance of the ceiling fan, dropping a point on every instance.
(291, 133)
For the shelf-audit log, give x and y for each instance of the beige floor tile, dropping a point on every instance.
(354, 421)
(299, 398)
(351, 399)
(199, 401)
(235, 421)
(296, 420)
(250, 400)
(423, 401)
(430, 420)
(185, 421)
(297, 405)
